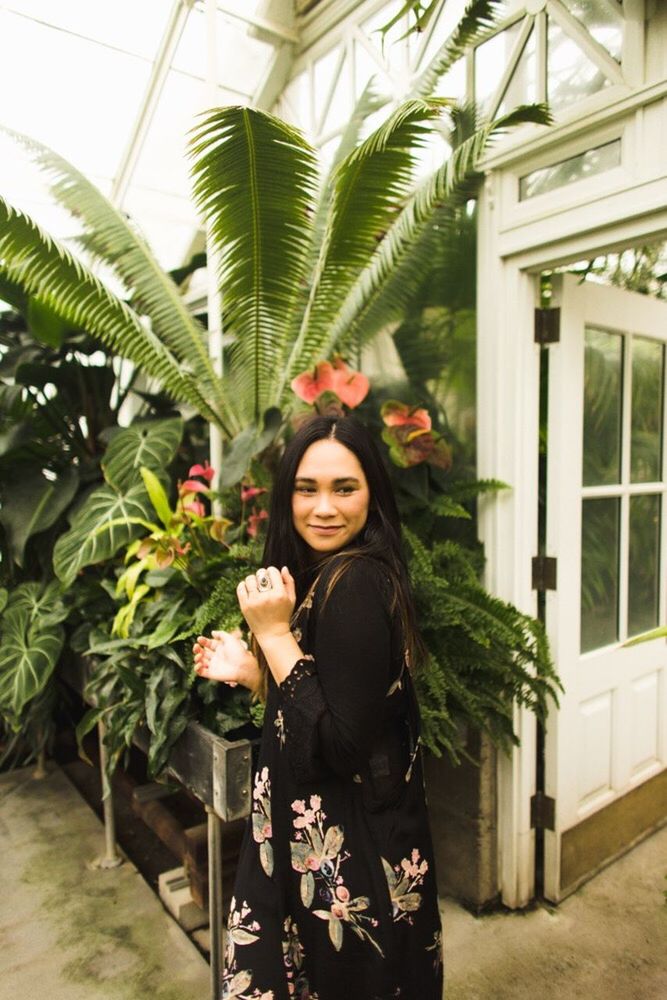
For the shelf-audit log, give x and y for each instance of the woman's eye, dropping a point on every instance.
(345, 490)
(304, 489)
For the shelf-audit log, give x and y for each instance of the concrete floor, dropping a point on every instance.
(69, 931)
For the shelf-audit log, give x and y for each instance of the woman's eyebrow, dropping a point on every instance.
(336, 482)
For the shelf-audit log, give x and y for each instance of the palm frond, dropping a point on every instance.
(478, 17)
(45, 268)
(369, 186)
(412, 222)
(254, 181)
(111, 237)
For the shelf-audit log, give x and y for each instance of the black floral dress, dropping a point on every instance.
(335, 895)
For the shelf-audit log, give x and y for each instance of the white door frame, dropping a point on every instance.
(507, 445)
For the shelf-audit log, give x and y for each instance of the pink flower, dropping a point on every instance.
(254, 522)
(248, 492)
(191, 486)
(343, 893)
(299, 806)
(315, 802)
(205, 471)
(351, 387)
(267, 831)
(308, 386)
(300, 822)
(395, 414)
(340, 911)
(195, 507)
(313, 863)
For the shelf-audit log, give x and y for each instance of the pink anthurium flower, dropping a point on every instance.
(195, 507)
(248, 492)
(396, 414)
(351, 387)
(205, 471)
(255, 520)
(191, 486)
(308, 386)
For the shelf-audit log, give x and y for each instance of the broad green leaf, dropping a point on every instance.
(125, 616)
(246, 445)
(43, 602)
(158, 496)
(254, 182)
(105, 522)
(32, 504)
(152, 443)
(29, 651)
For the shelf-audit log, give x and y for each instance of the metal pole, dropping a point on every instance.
(215, 899)
(111, 858)
(214, 305)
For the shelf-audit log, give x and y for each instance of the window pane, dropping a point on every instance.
(605, 26)
(490, 62)
(571, 75)
(575, 168)
(644, 580)
(603, 380)
(599, 572)
(648, 362)
(522, 88)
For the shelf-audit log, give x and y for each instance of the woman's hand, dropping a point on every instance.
(268, 610)
(225, 657)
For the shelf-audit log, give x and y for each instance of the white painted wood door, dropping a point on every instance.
(607, 527)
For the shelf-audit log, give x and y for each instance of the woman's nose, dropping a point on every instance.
(324, 505)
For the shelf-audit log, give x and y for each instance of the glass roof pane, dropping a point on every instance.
(162, 164)
(605, 25)
(82, 99)
(243, 58)
(124, 24)
(244, 7)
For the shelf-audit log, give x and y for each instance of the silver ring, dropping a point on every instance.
(263, 580)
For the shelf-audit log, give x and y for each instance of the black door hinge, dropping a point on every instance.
(547, 326)
(542, 812)
(544, 573)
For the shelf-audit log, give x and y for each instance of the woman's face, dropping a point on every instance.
(331, 496)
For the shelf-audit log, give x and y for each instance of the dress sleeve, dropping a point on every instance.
(332, 703)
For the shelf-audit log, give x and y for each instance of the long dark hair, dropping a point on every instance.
(380, 538)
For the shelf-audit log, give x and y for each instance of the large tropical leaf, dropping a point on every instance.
(478, 17)
(107, 520)
(369, 185)
(32, 504)
(111, 237)
(47, 269)
(254, 181)
(32, 638)
(410, 224)
(151, 443)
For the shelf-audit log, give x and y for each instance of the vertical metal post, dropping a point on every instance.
(111, 858)
(215, 899)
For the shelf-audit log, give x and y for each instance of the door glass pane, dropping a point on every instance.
(599, 572)
(648, 363)
(644, 566)
(603, 380)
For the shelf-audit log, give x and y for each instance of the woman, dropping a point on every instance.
(335, 895)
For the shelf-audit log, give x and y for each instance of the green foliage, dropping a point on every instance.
(485, 656)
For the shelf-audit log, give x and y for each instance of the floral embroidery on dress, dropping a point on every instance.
(279, 723)
(316, 853)
(297, 980)
(240, 931)
(402, 880)
(261, 819)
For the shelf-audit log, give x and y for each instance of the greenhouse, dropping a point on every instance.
(233, 229)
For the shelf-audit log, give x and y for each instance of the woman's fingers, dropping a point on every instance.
(288, 581)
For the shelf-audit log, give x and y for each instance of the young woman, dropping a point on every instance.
(335, 895)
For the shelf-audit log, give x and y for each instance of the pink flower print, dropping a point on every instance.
(315, 802)
(340, 910)
(299, 806)
(342, 893)
(267, 831)
(312, 863)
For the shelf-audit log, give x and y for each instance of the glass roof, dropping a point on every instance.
(114, 86)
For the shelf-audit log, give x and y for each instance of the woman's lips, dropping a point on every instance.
(322, 529)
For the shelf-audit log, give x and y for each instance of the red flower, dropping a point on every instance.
(397, 414)
(195, 507)
(248, 492)
(191, 486)
(205, 471)
(255, 520)
(350, 386)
